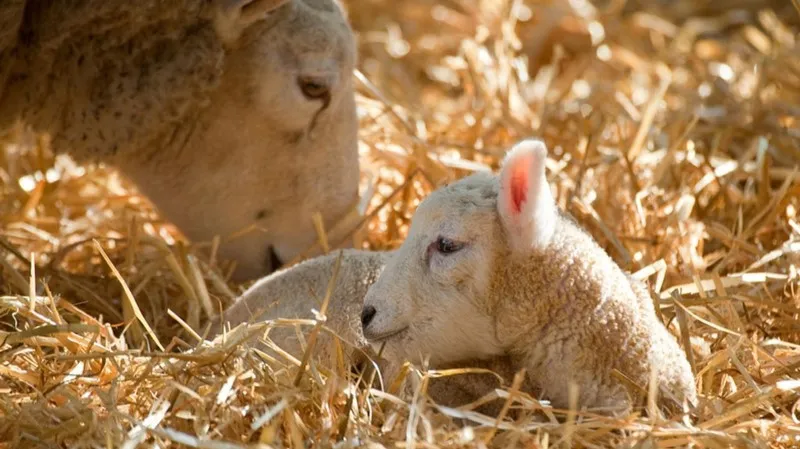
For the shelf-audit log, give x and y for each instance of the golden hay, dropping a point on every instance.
(675, 139)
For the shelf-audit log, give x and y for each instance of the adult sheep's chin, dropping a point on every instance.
(259, 203)
(260, 253)
(258, 240)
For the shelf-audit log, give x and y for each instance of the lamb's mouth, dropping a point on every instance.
(385, 336)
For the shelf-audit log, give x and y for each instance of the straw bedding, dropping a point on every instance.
(674, 136)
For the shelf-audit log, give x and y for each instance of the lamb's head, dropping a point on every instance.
(434, 298)
(278, 142)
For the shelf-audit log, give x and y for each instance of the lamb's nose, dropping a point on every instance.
(367, 314)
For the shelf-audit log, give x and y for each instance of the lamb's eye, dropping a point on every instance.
(446, 246)
(313, 88)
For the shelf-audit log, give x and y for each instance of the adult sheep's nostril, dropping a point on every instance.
(367, 314)
(273, 261)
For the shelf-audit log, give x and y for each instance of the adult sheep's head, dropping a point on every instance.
(278, 141)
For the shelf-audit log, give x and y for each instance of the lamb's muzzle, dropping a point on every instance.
(367, 314)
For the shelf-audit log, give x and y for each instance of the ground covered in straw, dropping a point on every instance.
(675, 139)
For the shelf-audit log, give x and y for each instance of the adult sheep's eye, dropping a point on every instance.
(446, 246)
(313, 89)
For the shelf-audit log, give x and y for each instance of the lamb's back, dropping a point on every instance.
(296, 291)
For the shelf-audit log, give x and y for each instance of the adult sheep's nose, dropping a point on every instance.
(367, 314)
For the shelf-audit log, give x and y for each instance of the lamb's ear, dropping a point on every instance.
(526, 206)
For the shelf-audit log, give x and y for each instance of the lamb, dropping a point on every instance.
(236, 118)
(491, 267)
(294, 292)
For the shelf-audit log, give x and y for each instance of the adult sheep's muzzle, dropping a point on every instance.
(273, 262)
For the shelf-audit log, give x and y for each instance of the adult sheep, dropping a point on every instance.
(227, 114)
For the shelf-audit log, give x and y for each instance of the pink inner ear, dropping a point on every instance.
(519, 183)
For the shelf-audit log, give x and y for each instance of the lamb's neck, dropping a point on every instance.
(572, 275)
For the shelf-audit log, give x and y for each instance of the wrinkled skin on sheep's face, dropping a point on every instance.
(221, 135)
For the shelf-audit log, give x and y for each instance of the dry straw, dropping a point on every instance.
(675, 139)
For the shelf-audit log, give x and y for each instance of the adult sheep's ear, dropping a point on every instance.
(234, 16)
(525, 204)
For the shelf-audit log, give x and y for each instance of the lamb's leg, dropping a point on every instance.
(458, 390)
(461, 389)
